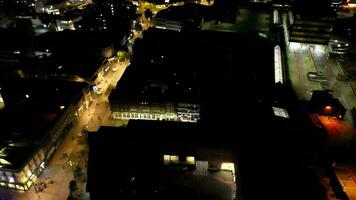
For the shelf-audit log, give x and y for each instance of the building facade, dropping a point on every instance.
(23, 177)
(185, 112)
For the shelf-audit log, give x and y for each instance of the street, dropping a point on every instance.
(73, 150)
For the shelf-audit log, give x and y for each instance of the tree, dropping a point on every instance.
(148, 13)
(122, 55)
(77, 172)
(70, 197)
(73, 186)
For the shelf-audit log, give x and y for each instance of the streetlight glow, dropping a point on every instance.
(328, 108)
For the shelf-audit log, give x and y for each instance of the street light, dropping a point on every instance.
(329, 108)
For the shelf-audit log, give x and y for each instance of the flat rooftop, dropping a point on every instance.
(32, 107)
(179, 67)
(237, 93)
(76, 42)
(141, 156)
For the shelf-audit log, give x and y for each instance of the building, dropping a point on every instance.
(67, 21)
(36, 116)
(307, 25)
(323, 103)
(159, 166)
(156, 93)
(158, 86)
(84, 61)
(178, 18)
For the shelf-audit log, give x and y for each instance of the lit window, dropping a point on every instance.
(166, 159)
(229, 167)
(278, 73)
(174, 158)
(42, 165)
(11, 180)
(280, 112)
(190, 160)
(29, 173)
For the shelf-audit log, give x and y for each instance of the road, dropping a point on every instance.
(74, 146)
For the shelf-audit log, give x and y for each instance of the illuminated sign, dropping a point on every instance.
(278, 73)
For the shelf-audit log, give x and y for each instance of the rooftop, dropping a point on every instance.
(74, 43)
(32, 107)
(237, 93)
(138, 149)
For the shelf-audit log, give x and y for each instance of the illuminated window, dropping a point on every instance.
(280, 112)
(29, 173)
(19, 187)
(278, 73)
(229, 167)
(11, 180)
(33, 177)
(190, 160)
(174, 158)
(42, 165)
(166, 159)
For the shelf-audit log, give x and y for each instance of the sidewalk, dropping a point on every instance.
(72, 151)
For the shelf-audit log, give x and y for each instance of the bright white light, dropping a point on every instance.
(280, 112)
(278, 72)
(262, 35)
(275, 17)
(166, 1)
(295, 45)
(42, 165)
(27, 96)
(29, 173)
(229, 167)
(319, 49)
(161, 27)
(11, 180)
